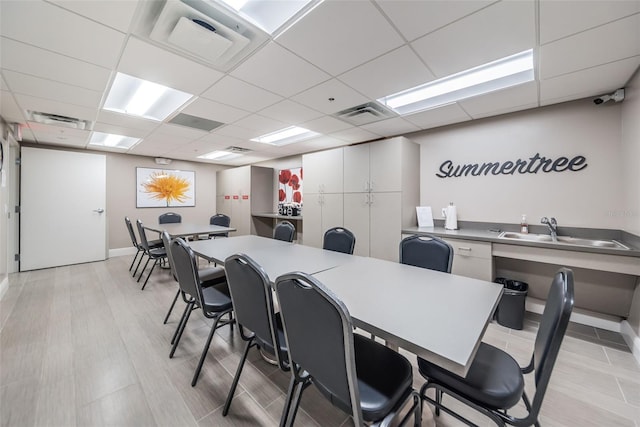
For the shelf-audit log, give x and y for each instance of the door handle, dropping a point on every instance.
(99, 210)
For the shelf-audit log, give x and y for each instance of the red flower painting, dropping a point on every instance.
(281, 195)
(290, 185)
(285, 176)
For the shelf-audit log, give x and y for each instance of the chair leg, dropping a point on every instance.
(155, 262)
(295, 403)
(205, 350)
(171, 308)
(143, 269)
(227, 404)
(138, 266)
(134, 260)
(180, 330)
(287, 402)
(439, 400)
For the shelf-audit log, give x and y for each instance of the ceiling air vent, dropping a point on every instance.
(195, 122)
(206, 31)
(234, 149)
(58, 120)
(365, 113)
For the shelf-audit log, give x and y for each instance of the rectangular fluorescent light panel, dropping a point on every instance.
(110, 140)
(503, 73)
(136, 97)
(271, 15)
(220, 155)
(286, 136)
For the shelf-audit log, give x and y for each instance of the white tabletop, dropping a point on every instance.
(438, 316)
(182, 229)
(275, 256)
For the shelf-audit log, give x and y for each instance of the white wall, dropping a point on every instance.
(631, 155)
(588, 198)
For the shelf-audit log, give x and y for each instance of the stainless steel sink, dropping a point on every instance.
(563, 239)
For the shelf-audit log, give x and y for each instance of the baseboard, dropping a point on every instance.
(631, 338)
(584, 317)
(121, 252)
(4, 286)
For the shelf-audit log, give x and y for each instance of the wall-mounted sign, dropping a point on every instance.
(245, 197)
(532, 165)
(236, 197)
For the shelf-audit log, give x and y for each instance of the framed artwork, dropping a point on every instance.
(290, 191)
(161, 188)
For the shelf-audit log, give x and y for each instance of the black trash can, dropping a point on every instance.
(510, 311)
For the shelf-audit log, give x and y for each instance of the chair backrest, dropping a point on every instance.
(222, 220)
(166, 240)
(132, 234)
(143, 236)
(252, 299)
(426, 252)
(186, 268)
(319, 334)
(169, 218)
(339, 239)
(553, 325)
(284, 231)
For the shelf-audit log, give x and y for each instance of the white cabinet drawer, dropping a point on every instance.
(470, 248)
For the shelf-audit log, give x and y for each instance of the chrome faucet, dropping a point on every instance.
(553, 227)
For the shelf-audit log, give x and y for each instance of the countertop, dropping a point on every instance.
(490, 233)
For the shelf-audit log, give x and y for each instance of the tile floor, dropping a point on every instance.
(83, 346)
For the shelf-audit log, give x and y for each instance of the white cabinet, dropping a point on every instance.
(323, 198)
(242, 190)
(472, 259)
(381, 186)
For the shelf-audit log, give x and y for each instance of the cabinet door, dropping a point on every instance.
(356, 219)
(312, 222)
(223, 206)
(356, 168)
(323, 171)
(332, 212)
(241, 216)
(385, 166)
(385, 225)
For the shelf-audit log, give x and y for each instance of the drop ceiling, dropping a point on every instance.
(60, 57)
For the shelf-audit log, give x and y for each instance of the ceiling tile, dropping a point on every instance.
(179, 131)
(398, 70)
(237, 132)
(3, 84)
(320, 143)
(159, 143)
(234, 92)
(318, 97)
(50, 27)
(42, 88)
(290, 112)
(416, 18)
(260, 124)
(337, 36)
(441, 116)
(119, 130)
(391, 127)
(495, 32)
(502, 101)
(325, 125)
(127, 121)
(194, 149)
(9, 110)
(280, 71)
(560, 19)
(212, 110)
(32, 103)
(354, 135)
(28, 59)
(145, 61)
(102, 11)
(59, 135)
(590, 82)
(590, 48)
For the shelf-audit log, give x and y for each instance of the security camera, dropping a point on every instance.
(617, 96)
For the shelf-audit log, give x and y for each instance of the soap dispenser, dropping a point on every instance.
(524, 226)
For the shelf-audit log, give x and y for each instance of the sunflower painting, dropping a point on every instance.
(164, 188)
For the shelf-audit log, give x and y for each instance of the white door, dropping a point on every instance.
(63, 197)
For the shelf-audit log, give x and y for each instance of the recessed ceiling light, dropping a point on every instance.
(110, 140)
(503, 73)
(286, 136)
(219, 155)
(272, 15)
(142, 98)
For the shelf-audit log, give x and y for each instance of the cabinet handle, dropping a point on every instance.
(465, 249)
(370, 185)
(371, 199)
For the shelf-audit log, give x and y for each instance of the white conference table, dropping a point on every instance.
(182, 229)
(438, 316)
